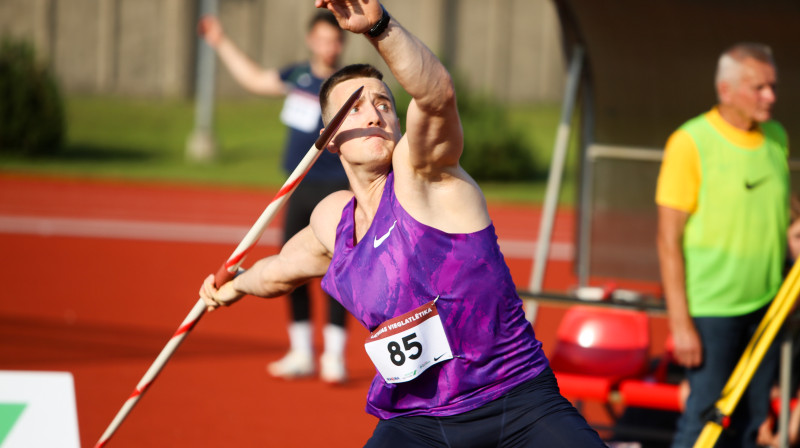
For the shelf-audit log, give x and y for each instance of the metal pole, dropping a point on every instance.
(556, 170)
(584, 236)
(554, 179)
(785, 382)
(791, 331)
(202, 145)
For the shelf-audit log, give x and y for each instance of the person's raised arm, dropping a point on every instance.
(433, 128)
(251, 76)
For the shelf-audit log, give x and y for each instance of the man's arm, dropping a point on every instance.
(247, 73)
(305, 256)
(433, 129)
(302, 258)
(671, 224)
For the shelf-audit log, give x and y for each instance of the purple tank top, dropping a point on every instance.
(401, 264)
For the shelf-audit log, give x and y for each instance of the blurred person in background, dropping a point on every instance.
(300, 84)
(723, 196)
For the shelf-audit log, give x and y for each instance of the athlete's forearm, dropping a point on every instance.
(414, 66)
(263, 280)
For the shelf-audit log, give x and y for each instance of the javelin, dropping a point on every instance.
(229, 269)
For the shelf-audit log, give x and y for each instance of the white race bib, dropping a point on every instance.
(404, 347)
(301, 111)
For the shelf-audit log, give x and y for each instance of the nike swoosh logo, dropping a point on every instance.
(378, 241)
(438, 357)
(751, 185)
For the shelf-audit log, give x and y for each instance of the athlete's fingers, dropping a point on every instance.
(207, 292)
(227, 295)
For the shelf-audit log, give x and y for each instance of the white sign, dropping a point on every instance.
(37, 409)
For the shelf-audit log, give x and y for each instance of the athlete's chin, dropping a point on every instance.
(379, 144)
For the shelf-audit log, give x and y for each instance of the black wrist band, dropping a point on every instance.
(380, 26)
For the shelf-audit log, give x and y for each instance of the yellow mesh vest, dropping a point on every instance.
(735, 242)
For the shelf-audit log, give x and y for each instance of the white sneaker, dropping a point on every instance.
(331, 369)
(294, 365)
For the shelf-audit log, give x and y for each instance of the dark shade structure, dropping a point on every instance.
(650, 67)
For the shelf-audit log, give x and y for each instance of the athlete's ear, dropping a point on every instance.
(331, 147)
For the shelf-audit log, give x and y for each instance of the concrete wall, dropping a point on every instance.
(508, 48)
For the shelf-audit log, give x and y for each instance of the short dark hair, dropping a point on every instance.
(346, 73)
(324, 16)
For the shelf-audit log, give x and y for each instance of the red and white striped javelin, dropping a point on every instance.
(228, 269)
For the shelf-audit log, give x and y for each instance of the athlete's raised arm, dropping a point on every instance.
(434, 138)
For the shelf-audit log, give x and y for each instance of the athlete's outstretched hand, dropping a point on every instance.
(356, 16)
(214, 298)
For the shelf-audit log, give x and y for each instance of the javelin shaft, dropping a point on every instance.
(228, 269)
(166, 353)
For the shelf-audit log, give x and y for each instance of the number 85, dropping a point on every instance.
(397, 356)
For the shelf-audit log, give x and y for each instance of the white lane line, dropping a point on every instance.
(203, 233)
(136, 230)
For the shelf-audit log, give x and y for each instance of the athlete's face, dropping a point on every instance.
(371, 129)
(750, 100)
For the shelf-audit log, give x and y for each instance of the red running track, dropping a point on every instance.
(97, 276)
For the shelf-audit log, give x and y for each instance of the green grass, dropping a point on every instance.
(145, 140)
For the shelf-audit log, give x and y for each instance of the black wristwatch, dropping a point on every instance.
(381, 25)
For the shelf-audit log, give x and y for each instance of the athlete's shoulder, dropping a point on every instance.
(332, 205)
(326, 216)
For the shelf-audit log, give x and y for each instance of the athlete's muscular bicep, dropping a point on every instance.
(434, 135)
(305, 256)
(302, 258)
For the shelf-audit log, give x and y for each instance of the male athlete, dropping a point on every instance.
(412, 253)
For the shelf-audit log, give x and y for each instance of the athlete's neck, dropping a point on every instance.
(367, 200)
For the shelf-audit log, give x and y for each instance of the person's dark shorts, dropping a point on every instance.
(534, 414)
